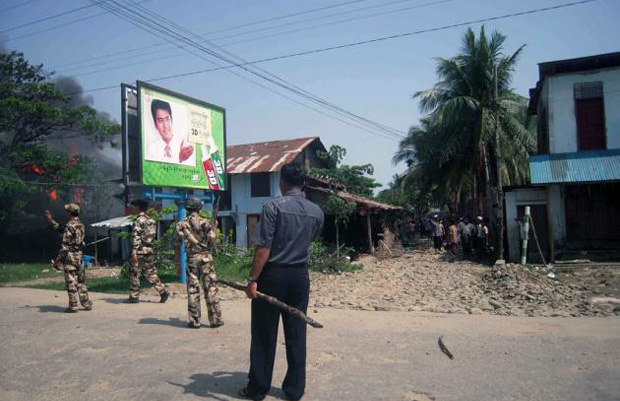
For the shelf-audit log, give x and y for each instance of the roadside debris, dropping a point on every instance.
(443, 348)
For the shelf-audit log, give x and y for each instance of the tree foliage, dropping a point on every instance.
(342, 211)
(449, 154)
(33, 112)
(354, 178)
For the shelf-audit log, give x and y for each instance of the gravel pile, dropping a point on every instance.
(514, 290)
(426, 281)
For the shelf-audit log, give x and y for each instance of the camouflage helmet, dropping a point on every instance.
(72, 208)
(193, 203)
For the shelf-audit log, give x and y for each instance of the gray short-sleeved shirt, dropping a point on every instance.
(287, 226)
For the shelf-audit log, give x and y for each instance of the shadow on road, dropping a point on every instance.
(115, 300)
(49, 308)
(173, 321)
(220, 384)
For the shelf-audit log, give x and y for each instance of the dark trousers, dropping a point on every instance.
(291, 286)
(437, 242)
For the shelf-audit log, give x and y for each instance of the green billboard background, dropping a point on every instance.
(174, 174)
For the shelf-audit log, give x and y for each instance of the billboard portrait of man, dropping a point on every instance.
(165, 144)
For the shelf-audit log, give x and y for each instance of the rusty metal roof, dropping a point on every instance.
(363, 203)
(264, 157)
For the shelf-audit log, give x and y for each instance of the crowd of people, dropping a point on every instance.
(462, 236)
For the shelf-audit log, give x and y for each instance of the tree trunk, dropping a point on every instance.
(499, 207)
(499, 210)
(337, 239)
(487, 180)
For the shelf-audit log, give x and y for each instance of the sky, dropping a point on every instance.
(78, 38)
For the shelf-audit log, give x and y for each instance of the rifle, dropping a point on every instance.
(56, 263)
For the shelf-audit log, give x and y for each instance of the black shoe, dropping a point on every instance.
(218, 324)
(131, 301)
(245, 393)
(193, 325)
(164, 297)
(89, 306)
(294, 399)
(71, 310)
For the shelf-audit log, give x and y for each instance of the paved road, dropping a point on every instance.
(144, 352)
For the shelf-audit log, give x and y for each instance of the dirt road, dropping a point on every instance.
(144, 352)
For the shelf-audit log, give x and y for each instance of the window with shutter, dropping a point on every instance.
(590, 115)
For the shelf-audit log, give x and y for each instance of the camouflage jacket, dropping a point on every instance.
(196, 232)
(143, 233)
(72, 239)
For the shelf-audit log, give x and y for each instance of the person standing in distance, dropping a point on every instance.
(143, 234)
(198, 234)
(70, 257)
(287, 226)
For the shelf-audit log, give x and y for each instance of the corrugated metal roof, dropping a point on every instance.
(360, 200)
(264, 157)
(591, 166)
(117, 222)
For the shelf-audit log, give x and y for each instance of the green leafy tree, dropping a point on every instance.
(341, 210)
(475, 135)
(354, 178)
(33, 112)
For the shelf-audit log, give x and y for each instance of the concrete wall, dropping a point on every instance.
(559, 95)
(515, 198)
(555, 195)
(242, 203)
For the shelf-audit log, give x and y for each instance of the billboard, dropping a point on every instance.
(183, 140)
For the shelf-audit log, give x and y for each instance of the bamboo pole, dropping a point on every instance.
(275, 302)
(537, 243)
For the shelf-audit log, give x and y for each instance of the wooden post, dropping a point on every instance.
(369, 226)
(96, 250)
(110, 247)
(550, 227)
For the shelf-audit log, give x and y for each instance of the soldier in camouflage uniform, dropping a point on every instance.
(143, 233)
(198, 235)
(70, 257)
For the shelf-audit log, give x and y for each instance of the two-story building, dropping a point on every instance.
(575, 177)
(254, 177)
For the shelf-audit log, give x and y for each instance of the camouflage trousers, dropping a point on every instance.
(146, 266)
(201, 267)
(75, 280)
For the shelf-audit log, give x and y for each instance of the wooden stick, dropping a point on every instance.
(444, 349)
(537, 243)
(275, 302)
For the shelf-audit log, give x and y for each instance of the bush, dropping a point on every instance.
(232, 263)
(323, 259)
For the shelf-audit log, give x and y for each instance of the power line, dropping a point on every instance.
(25, 3)
(157, 28)
(62, 14)
(158, 45)
(117, 66)
(354, 44)
(300, 91)
(60, 26)
(207, 33)
(157, 25)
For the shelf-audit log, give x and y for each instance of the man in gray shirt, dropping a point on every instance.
(286, 228)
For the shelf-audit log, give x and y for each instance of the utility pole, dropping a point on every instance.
(499, 205)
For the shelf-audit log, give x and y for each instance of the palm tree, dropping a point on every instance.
(472, 114)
